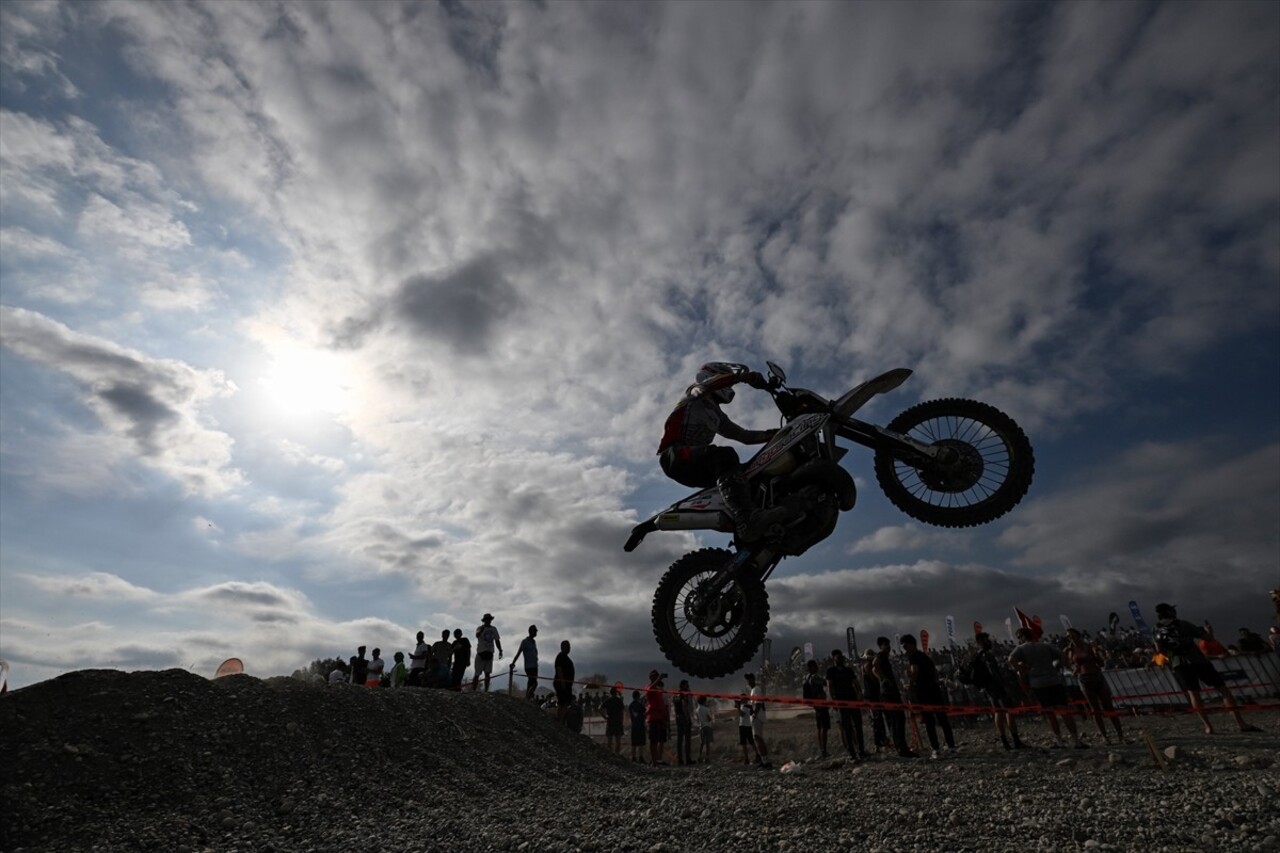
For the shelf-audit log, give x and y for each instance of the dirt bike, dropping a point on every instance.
(951, 463)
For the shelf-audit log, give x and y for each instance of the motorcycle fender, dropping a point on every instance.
(857, 397)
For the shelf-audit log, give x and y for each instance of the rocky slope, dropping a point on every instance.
(149, 761)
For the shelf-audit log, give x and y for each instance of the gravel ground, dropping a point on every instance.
(168, 761)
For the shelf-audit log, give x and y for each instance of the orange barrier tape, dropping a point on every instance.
(1075, 707)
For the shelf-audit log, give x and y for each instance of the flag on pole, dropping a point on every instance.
(1138, 620)
(924, 640)
(1066, 623)
(951, 630)
(1029, 623)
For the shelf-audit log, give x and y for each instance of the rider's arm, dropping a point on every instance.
(739, 434)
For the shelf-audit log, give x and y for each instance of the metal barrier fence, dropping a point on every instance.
(1248, 676)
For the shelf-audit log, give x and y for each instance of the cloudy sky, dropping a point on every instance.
(325, 323)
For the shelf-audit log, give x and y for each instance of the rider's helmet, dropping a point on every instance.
(712, 369)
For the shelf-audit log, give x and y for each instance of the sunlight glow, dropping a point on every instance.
(307, 382)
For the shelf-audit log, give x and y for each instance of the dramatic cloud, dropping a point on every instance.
(387, 302)
(154, 405)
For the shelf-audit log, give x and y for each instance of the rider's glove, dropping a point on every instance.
(755, 380)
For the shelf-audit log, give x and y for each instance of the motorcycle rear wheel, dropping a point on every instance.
(989, 472)
(706, 635)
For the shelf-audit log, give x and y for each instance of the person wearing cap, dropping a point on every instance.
(487, 640)
(1176, 638)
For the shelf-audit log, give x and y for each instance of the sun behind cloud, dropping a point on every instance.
(304, 382)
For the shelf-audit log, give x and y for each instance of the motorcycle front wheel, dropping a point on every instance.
(983, 470)
(707, 632)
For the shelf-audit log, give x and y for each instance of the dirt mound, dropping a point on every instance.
(170, 759)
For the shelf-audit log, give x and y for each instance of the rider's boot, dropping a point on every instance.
(750, 522)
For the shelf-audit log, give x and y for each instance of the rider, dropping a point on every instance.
(688, 456)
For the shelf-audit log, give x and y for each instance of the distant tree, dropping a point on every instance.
(322, 668)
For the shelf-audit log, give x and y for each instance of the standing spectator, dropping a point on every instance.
(757, 721)
(746, 737)
(563, 681)
(418, 662)
(612, 709)
(359, 667)
(871, 693)
(529, 651)
(487, 640)
(815, 687)
(636, 711)
(684, 725)
(373, 674)
(1210, 646)
(1251, 643)
(986, 677)
(461, 659)
(843, 681)
(1086, 663)
(337, 675)
(922, 675)
(706, 733)
(891, 694)
(573, 715)
(399, 675)
(656, 715)
(1039, 673)
(441, 661)
(1176, 638)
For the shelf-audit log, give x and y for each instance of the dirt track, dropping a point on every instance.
(102, 760)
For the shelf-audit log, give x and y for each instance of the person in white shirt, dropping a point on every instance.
(376, 668)
(705, 733)
(746, 710)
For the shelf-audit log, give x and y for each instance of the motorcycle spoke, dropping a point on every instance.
(986, 443)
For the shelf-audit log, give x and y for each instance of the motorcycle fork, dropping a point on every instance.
(742, 563)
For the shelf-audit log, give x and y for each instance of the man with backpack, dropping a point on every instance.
(983, 672)
(1176, 639)
(815, 687)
